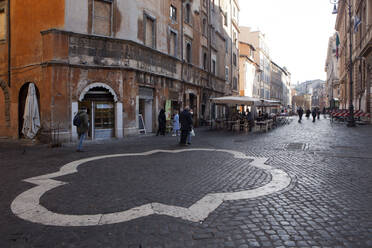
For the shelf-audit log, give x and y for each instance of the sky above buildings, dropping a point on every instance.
(297, 33)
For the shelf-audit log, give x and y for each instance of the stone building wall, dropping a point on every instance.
(66, 58)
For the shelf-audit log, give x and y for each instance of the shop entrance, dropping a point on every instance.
(193, 106)
(101, 111)
(145, 109)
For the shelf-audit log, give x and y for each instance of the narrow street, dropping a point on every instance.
(298, 185)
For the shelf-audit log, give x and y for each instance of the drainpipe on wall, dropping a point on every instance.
(9, 45)
(209, 58)
(182, 64)
(231, 49)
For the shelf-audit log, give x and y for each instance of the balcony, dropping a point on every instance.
(364, 47)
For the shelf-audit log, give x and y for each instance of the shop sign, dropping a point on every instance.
(168, 107)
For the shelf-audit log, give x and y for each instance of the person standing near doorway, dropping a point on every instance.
(186, 125)
(176, 123)
(81, 120)
(162, 123)
(189, 135)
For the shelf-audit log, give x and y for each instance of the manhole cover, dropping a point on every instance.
(295, 146)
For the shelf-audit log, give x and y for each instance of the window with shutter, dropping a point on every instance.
(3, 22)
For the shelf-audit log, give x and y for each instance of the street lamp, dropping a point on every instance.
(351, 120)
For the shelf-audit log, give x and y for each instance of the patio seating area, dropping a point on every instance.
(244, 117)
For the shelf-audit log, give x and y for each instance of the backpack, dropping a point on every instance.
(77, 120)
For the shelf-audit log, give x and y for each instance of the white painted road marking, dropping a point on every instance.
(27, 205)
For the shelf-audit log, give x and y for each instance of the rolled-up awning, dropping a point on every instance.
(238, 100)
(31, 117)
(268, 103)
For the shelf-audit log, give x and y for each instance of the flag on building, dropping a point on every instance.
(357, 22)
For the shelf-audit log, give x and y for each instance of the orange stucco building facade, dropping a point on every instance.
(27, 56)
(123, 60)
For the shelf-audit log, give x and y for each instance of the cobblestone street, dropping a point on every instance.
(328, 202)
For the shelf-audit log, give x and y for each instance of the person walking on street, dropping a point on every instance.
(308, 112)
(300, 113)
(189, 135)
(162, 123)
(314, 113)
(186, 125)
(250, 120)
(176, 124)
(81, 120)
(318, 113)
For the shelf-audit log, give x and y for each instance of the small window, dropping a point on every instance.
(227, 46)
(173, 13)
(205, 26)
(2, 21)
(188, 13)
(188, 52)
(227, 73)
(234, 59)
(102, 17)
(205, 61)
(235, 83)
(173, 44)
(235, 38)
(213, 67)
(225, 21)
(150, 31)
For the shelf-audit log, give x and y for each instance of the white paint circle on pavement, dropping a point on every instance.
(27, 205)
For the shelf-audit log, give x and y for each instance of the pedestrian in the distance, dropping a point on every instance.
(189, 135)
(162, 123)
(318, 113)
(250, 120)
(300, 113)
(176, 124)
(308, 112)
(314, 113)
(82, 127)
(186, 125)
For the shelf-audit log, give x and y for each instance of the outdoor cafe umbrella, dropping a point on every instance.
(31, 118)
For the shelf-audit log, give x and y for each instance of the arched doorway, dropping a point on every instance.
(21, 105)
(100, 103)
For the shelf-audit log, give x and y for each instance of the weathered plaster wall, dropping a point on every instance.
(76, 16)
(28, 19)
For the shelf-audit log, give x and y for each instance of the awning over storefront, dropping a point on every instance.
(238, 100)
(268, 103)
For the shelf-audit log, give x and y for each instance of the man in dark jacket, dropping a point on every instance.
(186, 125)
(83, 127)
(300, 112)
(162, 121)
(313, 113)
